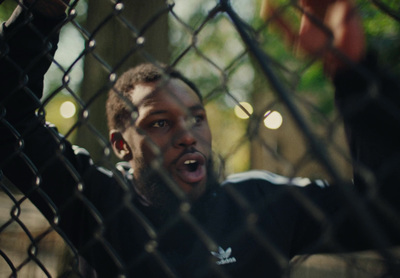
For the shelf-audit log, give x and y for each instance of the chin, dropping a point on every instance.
(197, 191)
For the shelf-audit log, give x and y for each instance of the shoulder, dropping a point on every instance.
(263, 188)
(85, 165)
(269, 178)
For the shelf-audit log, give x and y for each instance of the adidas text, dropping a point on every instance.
(226, 261)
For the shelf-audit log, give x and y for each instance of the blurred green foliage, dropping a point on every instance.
(6, 9)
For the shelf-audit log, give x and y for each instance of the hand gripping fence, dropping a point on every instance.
(306, 163)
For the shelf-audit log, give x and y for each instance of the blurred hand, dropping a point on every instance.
(49, 8)
(329, 29)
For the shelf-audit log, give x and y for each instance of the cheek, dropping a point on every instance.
(205, 137)
(142, 157)
(150, 149)
(139, 148)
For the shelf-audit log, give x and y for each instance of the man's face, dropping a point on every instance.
(171, 128)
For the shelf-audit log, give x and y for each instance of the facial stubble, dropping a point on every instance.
(157, 186)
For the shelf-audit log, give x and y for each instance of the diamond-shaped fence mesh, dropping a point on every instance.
(301, 179)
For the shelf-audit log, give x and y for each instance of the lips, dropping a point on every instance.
(191, 167)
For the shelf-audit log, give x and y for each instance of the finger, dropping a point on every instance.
(317, 8)
(274, 17)
(313, 37)
(348, 32)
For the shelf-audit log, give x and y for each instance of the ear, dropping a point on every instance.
(120, 146)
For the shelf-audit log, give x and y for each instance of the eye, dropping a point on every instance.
(198, 119)
(159, 124)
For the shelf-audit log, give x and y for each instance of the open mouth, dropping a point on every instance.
(191, 167)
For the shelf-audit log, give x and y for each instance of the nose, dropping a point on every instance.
(184, 136)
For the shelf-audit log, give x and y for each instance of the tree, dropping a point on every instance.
(119, 36)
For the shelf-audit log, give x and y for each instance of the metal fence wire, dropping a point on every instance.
(319, 128)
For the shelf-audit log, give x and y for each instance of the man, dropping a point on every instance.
(170, 128)
(165, 215)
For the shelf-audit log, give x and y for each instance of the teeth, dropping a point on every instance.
(187, 162)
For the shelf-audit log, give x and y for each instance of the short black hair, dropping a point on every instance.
(119, 107)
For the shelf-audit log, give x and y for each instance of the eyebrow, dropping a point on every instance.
(190, 109)
(197, 107)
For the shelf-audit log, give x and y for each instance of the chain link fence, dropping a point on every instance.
(269, 108)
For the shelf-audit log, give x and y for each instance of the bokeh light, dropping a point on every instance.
(243, 114)
(67, 109)
(273, 119)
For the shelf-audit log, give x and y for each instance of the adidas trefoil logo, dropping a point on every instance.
(224, 256)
